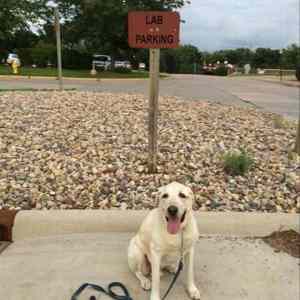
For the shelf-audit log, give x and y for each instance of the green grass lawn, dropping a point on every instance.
(51, 72)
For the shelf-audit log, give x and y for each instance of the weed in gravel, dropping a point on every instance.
(280, 123)
(237, 163)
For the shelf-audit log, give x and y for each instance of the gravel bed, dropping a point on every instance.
(89, 150)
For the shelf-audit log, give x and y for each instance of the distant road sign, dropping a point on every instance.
(153, 29)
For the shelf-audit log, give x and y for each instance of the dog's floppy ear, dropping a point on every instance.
(191, 194)
(156, 199)
(159, 193)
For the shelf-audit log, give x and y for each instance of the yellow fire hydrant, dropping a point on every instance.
(15, 67)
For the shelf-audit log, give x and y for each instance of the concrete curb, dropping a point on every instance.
(290, 84)
(256, 77)
(54, 78)
(35, 224)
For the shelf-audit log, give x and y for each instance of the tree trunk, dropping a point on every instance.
(112, 67)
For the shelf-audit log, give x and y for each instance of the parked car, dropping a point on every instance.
(120, 64)
(142, 66)
(128, 64)
(102, 62)
(13, 57)
(123, 64)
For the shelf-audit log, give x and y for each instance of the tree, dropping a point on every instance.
(181, 59)
(298, 72)
(186, 56)
(168, 61)
(239, 57)
(266, 58)
(101, 25)
(244, 56)
(291, 57)
(15, 16)
(24, 38)
(214, 57)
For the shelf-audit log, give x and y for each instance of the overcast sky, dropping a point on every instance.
(223, 24)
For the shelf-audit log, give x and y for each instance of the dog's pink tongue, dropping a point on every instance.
(173, 225)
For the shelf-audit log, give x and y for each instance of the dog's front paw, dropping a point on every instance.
(146, 284)
(194, 293)
(154, 298)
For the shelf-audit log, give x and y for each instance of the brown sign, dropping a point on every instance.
(153, 29)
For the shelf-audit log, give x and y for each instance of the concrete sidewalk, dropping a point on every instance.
(54, 252)
(53, 267)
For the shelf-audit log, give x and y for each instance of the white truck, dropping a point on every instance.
(13, 57)
(101, 62)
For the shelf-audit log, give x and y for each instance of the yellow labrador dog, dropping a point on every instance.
(157, 245)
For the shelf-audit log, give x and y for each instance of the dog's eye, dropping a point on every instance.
(164, 196)
(182, 195)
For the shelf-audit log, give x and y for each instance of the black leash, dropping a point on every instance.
(180, 267)
(126, 296)
(109, 291)
(119, 285)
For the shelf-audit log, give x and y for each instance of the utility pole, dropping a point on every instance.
(58, 45)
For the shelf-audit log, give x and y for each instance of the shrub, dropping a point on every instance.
(3, 55)
(122, 70)
(298, 72)
(237, 163)
(25, 56)
(73, 59)
(186, 69)
(280, 123)
(221, 71)
(42, 54)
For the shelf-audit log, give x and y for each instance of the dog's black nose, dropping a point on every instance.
(172, 210)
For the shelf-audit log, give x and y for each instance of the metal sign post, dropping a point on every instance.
(153, 30)
(58, 45)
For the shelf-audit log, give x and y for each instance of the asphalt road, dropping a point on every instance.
(245, 91)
